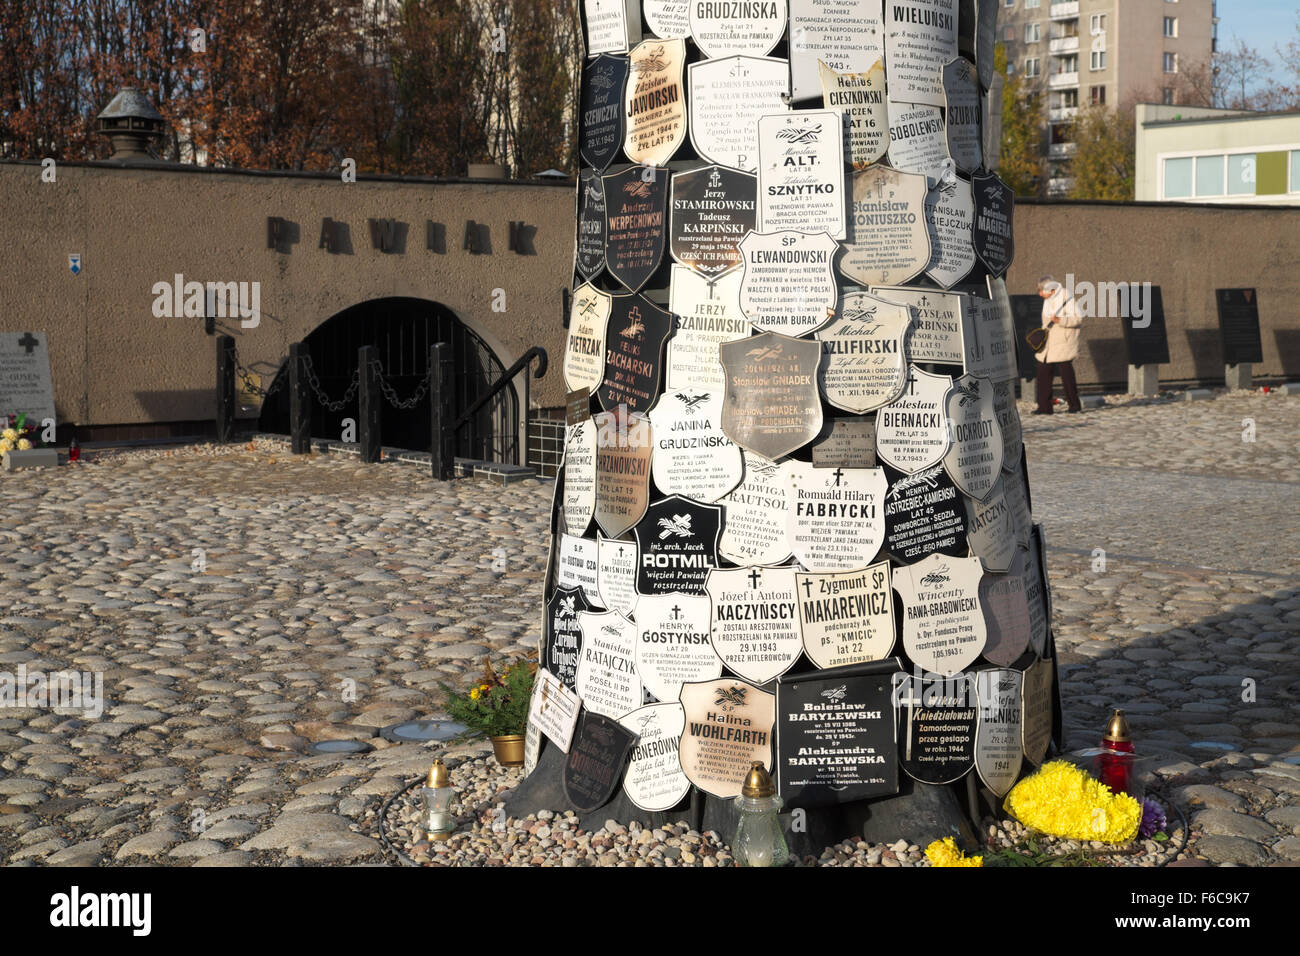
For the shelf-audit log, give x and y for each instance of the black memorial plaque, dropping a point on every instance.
(1239, 326)
(772, 404)
(563, 635)
(594, 766)
(677, 545)
(992, 233)
(1148, 344)
(636, 220)
(603, 119)
(712, 210)
(591, 223)
(936, 727)
(836, 739)
(924, 514)
(634, 353)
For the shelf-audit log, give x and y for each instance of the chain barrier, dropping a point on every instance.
(390, 393)
(246, 376)
(321, 397)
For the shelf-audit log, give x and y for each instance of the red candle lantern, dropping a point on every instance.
(1115, 762)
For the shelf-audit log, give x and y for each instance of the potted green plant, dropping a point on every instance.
(497, 705)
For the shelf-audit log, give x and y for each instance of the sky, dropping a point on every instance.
(1263, 24)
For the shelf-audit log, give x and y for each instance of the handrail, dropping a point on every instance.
(536, 352)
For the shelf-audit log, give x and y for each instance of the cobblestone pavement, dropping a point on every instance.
(336, 597)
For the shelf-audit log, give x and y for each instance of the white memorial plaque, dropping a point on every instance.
(580, 477)
(579, 559)
(1036, 712)
(864, 364)
(755, 621)
(1002, 336)
(991, 530)
(801, 172)
(655, 102)
(974, 459)
(943, 626)
(616, 575)
(708, 314)
(692, 456)
(728, 729)
(725, 28)
(584, 352)
(727, 98)
(860, 97)
(754, 514)
(836, 516)
(666, 19)
(999, 751)
(846, 618)
(554, 708)
(936, 325)
(25, 382)
(962, 114)
(1006, 615)
(612, 25)
(917, 140)
(788, 283)
(673, 644)
(847, 36)
(654, 780)
(920, 37)
(889, 241)
(607, 679)
(912, 431)
(949, 212)
(1013, 487)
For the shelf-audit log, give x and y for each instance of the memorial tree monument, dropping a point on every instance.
(793, 523)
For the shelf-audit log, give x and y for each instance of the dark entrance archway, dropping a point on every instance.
(402, 330)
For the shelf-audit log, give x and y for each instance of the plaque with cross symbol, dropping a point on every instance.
(673, 645)
(754, 620)
(25, 382)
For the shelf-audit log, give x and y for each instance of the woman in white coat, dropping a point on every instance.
(1061, 320)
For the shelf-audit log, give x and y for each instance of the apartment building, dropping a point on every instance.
(1111, 52)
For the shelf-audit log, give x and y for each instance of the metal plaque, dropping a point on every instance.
(936, 327)
(708, 314)
(917, 140)
(727, 28)
(692, 455)
(655, 102)
(713, 208)
(943, 626)
(579, 477)
(577, 566)
(772, 405)
(666, 19)
(1036, 710)
(836, 738)
(1239, 326)
(594, 765)
(999, 751)
(755, 621)
(563, 636)
(980, 333)
(623, 449)
(677, 544)
(616, 576)
(753, 522)
(612, 25)
(1038, 595)
(801, 172)
(993, 232)
(912, 431)
(591, 223)
(860, 98)
(1006, 615)
(673, 645)
(846, 443)
(554, 708)
(889, 242)
(836, 519)
(728, 729)
(847, 36)
(1001, 331)
(577, 406)
(634, 353)
(788, 283)
(727, 98)
(1013, 487)
(936, 727)
(986, 38)
(865, 365)
(992, 128)
(950, 215)
(604, 123)
(992, 534)
(974, 457)
(961, 93)
(636, 215)
(584, 349)
(655, 781)
(925, 514)
(606, 678)
(846, 618)
(1004, 403)
(920, 37)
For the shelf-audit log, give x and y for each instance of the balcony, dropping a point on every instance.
(1062, 150)
(1063, 81)
(1059, 186)
(1060, 45)
(1064, 11)
(1063, 114)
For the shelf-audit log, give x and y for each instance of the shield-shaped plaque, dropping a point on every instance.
(865, 365)
(692, 455)
(917, 141)
(974, 458)
(727, 98)
(912, 431)
(666, 19)
(992, 530)
(677, 541)
(889, 241)
(584, 350)
(961, 91)
(950, 212)
(636, 214)
(654, 780)
(726, 29)
(708, 314)
(673, 644)
(925, 514)
(993, 232)
(936, 727)
(612, 25)
(623, 449)
(772, 405)
(1004, 403)
(655, 102)
(753, 522)
(943, 627)
(788, 283)
(579, 477)
(1006, 614)
(841, 35)
(1036, 715)
(728, 728)
(860, 97)
(999, 751)
(634, 353)
(755, 621)
(836, 520)
(936, 334)
(595, 763)
(713, 208)
(920, 37)
(603, 120)
(846, 618)
(563, 636)
(577, 565)
(801, 172)
(606, 678)
(616, 576)
(591, 223)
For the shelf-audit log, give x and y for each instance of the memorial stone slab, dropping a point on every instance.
(624, 446)
(846, 618)
(788, 283)
(554, 708)
(726, 28)
(936, 327)
(925, 514)
(636, 216)
(606, 678)
(846, 443)
(836, 517)
(677, 544)
(943, 626)
(692, 455)
(918, 141)
(1006, 614)
(912, 432)
(616, 576)
(999, 752)
(634, 353)
(801, 172)
(754, 514)
(936, 728)
(1239, 326)
(666, 19)
(889, 241)
(25, 382)
(708, 314)
(865, 365)
(728, 728)
(755, 620)
(846, 36)
(673, 645)
(950, 215)
(612, 25)
(920, 37)
(727, 98)
(655, 102)
(577, 566)
(993, 231)
(604, 124)
(772, 404)
(860, 98)
(591, 224)
(580, 477)
(1036, 713)
(594, 766)
(1148, 344)
(712, 209)
(655, 781)
(992, 533)
(584, 350)
(961, 90)
(563, 636)
(974, 457)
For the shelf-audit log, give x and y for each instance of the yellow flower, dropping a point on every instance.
(475, 694)
(945, 853)
(10, 434)
(484, 687)
(6, 444)
(24, 444)
(1063, 801)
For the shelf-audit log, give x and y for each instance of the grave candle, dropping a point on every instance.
(1115, 762)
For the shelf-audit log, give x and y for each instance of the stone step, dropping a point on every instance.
(504, 474)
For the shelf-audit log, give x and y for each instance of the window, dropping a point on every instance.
(1241, 174)
(1032, 34)
(1178, 178)
(1068, 64)
(1167, 96)
(1011, 67)
(1031, 4)
(1209, 176)
(1069, 99)
(1171, 26)
(1031, 66)
(1097, 23)
(1295, 171)
(1097, 94)
(1171, 62)
(1097, 60)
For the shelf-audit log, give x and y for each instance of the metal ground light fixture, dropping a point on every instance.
(436, 795)
(759, 840)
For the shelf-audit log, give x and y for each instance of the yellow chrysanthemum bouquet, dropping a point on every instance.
(17, 434)
(1062, 800)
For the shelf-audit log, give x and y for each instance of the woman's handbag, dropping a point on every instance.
(1037, 339)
